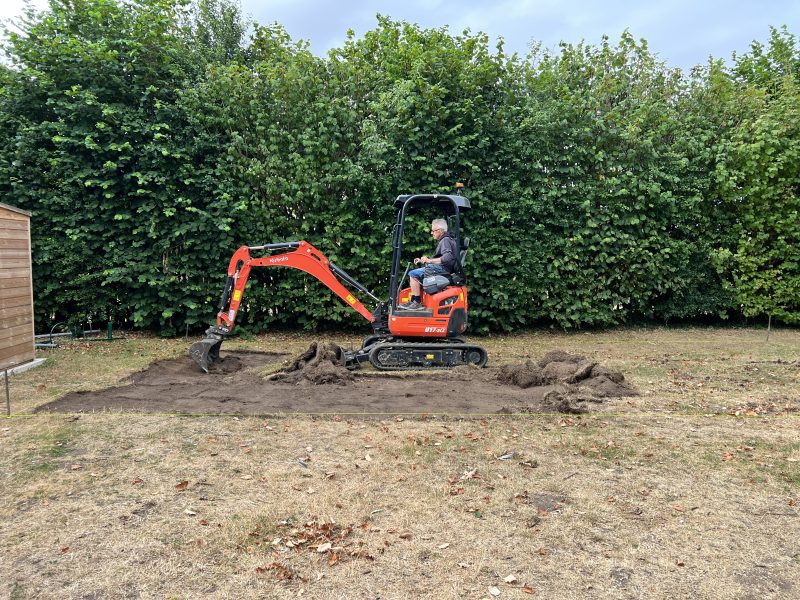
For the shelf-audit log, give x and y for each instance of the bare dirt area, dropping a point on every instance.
(315, 382)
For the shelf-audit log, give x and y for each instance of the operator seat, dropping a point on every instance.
(462, 256)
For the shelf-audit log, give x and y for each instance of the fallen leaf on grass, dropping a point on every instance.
(510, 579)
(528, 589)
(494, 591)
(443, 546)
(282, 573)
(333, 559)
(362, 553)
(137, 481)
(792, 502)
(542, 551)
(405, 536)
(182, 485)
(324, 547)
(189, 512)
(470, 474)
(75, 467)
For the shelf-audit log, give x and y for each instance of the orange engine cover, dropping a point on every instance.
(448, 315)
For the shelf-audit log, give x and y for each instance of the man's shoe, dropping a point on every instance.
(412, 305)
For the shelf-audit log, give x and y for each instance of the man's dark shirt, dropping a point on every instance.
(446, 250)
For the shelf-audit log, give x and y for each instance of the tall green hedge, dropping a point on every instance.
(152, 138)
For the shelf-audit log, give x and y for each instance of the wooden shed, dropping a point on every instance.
(16, 288)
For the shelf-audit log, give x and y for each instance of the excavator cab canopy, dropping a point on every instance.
(445, 203)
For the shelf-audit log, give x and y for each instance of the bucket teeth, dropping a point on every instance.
(205, 352)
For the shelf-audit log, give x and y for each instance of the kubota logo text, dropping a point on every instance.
(272, 261)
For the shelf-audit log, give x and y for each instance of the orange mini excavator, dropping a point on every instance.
(427, 338)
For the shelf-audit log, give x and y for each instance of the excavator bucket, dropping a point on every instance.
(205, 352)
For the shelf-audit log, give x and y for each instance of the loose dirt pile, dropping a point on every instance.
(563, 381)
(317, 382)
(322, 363)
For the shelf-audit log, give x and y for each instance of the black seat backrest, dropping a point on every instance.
(462, 258)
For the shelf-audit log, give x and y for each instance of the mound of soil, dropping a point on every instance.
(322, 363)
(562, 381)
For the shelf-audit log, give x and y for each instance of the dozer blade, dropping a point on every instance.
(205, 352)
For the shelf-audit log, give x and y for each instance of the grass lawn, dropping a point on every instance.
(689, 490)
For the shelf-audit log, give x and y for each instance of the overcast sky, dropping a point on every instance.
(682, 32)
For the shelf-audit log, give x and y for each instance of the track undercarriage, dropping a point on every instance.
(398, 354)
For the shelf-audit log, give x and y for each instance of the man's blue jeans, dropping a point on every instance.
(418, 274)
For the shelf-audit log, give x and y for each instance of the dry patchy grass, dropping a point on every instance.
(670, 495)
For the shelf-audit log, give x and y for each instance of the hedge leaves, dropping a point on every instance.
(151, 138)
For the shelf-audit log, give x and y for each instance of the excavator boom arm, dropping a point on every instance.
(298, 255)
(303, 256)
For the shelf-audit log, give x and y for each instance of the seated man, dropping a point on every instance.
(442, 263)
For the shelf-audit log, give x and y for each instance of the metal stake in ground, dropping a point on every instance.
(8, 396)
